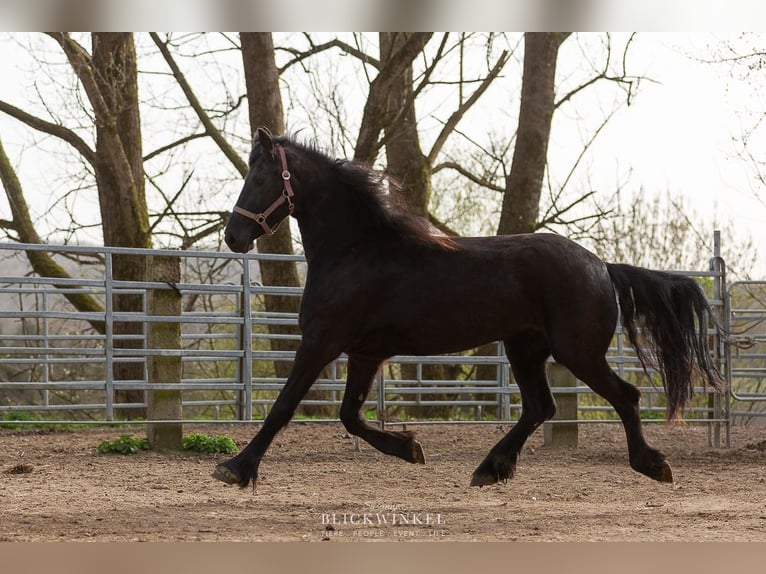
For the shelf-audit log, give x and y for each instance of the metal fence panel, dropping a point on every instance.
(55, 365)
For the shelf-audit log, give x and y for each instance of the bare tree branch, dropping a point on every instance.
(50, 128)
(458, 114)
(624, 78)
(174, 144)
(210, 129)
(441, 226)
(82, 65)
(468, 175)
(42, 263)
(314, 49)
(367, 144)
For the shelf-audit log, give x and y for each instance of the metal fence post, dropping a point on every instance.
(109, 336)
(164, 405)
(719, 405)
(381, 380)
(504, 372)
(246, 365)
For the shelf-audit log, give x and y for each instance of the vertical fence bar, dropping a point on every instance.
(239, 337)
(504, 372)
(246, 369)
(109, 335)
(721, 403)
(46, 357)
(727, 358)
(381, 399)
(715, 399)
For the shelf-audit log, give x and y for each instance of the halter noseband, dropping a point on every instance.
(286, 196)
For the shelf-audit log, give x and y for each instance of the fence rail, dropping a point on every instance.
(56, 365)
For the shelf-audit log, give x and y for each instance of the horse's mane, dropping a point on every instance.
(375, 200)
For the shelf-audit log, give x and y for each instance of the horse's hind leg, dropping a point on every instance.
(361, 372)
(527, 354)
(624, 397)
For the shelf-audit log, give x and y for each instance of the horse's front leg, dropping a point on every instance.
(310, 359)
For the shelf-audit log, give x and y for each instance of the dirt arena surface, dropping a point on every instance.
(313, 486)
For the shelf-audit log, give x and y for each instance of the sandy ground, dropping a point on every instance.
(313, 486)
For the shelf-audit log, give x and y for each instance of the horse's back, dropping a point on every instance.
(424, 300)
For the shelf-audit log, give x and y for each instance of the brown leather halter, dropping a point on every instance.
(286, 196)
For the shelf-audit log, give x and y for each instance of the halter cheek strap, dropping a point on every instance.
(286, 196)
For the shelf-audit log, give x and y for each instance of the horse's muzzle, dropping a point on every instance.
(237, 246)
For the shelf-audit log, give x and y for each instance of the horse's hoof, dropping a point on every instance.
(665, 474)
(494, 469)
(417, 455)
(480, 479)
(225, 474)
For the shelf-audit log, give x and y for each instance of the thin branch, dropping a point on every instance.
(458, 114)
(190, 240)
(169, 205)
(172, 145)
(623, 79)
(7, 225)
(441, 226)
(210, 129)
(300, 55)
(468, 175)
(50, 128)
(556, 217)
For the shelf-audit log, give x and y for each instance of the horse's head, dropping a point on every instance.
(266, 198)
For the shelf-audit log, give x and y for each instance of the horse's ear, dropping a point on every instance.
(263, 135)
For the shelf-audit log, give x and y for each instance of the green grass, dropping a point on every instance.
(131, 444)
(126, 444)
(13, 419)
(203, 443)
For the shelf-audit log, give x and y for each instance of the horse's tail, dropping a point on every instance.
(674, 313)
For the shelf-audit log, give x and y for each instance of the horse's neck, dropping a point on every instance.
(326, 236)
(329, 228)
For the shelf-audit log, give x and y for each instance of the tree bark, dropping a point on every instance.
(374, 115)
(406, 163)
(109, 78)
(409, 167)
(521, 200)
(120, 182)
(265, 109)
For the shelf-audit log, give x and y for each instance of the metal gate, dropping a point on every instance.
(746, 352)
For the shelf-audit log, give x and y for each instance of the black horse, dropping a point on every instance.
(382, 283)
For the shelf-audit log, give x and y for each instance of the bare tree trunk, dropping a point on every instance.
(408, 166)
(523, 186)
(398, 61)
(109, 79)
(406, 162)
(521, 201)
(120, 181)
(265, 107)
